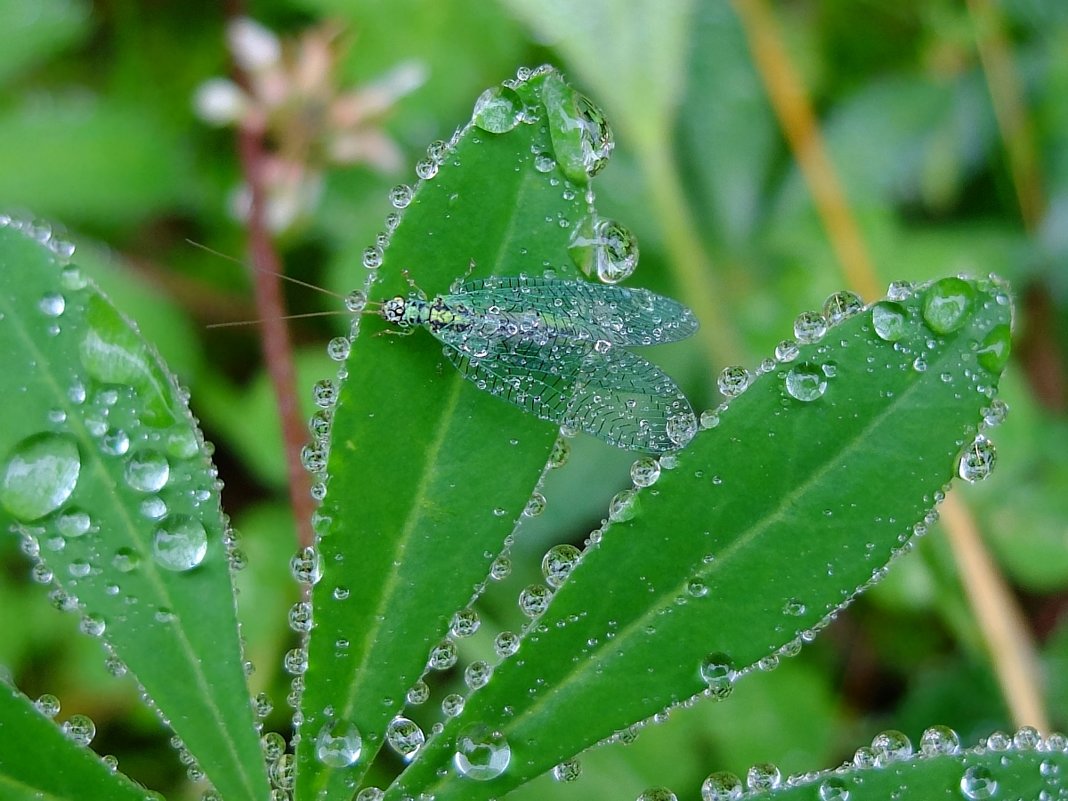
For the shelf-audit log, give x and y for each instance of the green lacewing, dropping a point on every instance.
(558, 350)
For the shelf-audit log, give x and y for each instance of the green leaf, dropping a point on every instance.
(409, 503)
(1022, 767)
(107, 481)
(768, 524)
(39, 761)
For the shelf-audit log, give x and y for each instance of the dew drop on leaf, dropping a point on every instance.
(338, 744)
(39, 475)
(180, 543)
(946, 304)
(481, 753)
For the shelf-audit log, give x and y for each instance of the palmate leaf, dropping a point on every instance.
(108, 484)
(770, 522)
(406, 503)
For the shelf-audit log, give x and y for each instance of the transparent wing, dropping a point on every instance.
(584, 310)
(615, 395)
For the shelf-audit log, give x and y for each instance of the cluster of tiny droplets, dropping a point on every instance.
(41, 232)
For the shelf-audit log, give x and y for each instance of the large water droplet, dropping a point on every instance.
(581, 137)
(498, 110)
(806, 382)
(717, 671)
(733, 381)
(657, 794)
(938, 740)
(889, 320)
(558, 563)
(180, 543)
(39, 475)
(994, 350)
(840, 306)
(763, 777)
(977, 461)
(73, 522)
(645, 471)
(47, 705)
(891, 746)
(338, 744)
(405, 737)
(946, 304)
(80, 729)
(721, 786)
(604, 248)
(147, 471)
(481, 753)
(978, 783)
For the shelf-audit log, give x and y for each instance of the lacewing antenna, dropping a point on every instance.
(372, 306)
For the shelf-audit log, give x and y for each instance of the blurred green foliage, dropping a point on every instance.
(98, 134)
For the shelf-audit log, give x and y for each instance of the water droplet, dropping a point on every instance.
(558, 563)
(306, 566)
(891, 746)
(560, 454)
(840, 306)
(763, 777)
(506, 643)
(733, 381)
(810, 327)
(721, 786)
(73, 522)
(452, 705)
(806, 382)
(794, 608)
(946, 304)
(180, 543)
(338, 744)
(405, 737)
(442, 656)
(47, 705)
(52, 304)
(681, 428)
(370, 794)
(295, 661)
(465, 623)
(657, 794)
(978, 783)
(338, 348)
(80, 729)
(534, 600)
(39, 475)
(717, 671)
(994, 350)
(324, 393)
(889, 320)
(581, 137)
(604, 248)
(567, 771)
(419, 693)
(481, 753)
(300, 617)
(977, 461)
(535, 505)
(147, 471)
(93, 625)
(501, 568)
(477, 674)
(498, 110)
(834, 788)
(624, 506)
(786, 351)
(400, 196)
(645, 471)
(937, 740)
